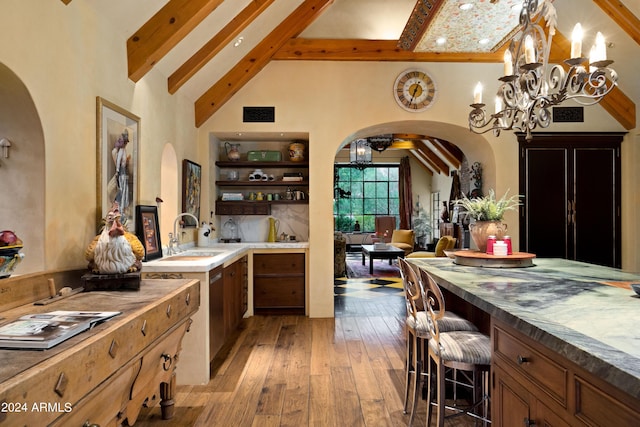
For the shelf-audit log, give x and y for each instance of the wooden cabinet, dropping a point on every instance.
(227, 302)
(279, 283)
(245, 186)
(106, 374)
(532, 385)
(571, 206)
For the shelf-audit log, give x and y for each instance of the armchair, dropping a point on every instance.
(403, 239)
(444, 244)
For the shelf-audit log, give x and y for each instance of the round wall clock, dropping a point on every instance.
(414, 90)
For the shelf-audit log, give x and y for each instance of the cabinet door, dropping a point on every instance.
(571, 186)
(216, 312)
(510, 400)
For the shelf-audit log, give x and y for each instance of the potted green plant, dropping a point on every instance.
(487, 211)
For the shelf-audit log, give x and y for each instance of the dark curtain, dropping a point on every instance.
(406, 197)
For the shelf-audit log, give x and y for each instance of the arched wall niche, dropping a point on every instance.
(22, 199)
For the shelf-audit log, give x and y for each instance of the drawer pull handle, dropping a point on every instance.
(168, 361)
(522, 360)
(529, 423)
(89, 424)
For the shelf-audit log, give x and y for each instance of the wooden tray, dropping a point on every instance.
(481, 259)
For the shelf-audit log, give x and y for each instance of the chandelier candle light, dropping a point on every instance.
(530, 87)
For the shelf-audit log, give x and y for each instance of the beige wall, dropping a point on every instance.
(66, 56)
(337, 101)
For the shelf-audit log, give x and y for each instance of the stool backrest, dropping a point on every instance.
(433, 302)
(411, 285)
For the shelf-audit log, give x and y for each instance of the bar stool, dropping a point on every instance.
(468, 351)
(417, 333)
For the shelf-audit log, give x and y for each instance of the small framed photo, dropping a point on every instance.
(148, 231)
(191, 187)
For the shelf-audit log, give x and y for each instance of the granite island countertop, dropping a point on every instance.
(209, 257)
(584, 312)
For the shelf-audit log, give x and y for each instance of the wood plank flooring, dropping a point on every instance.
(295, 371)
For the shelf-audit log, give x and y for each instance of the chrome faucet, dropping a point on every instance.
(174, 239)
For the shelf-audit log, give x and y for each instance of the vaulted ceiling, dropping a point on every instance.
(209, 49)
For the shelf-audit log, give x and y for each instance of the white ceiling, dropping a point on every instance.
(356, 19)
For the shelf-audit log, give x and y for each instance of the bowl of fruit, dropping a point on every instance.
(10, 255)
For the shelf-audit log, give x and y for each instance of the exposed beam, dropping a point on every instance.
(433, 157)
(371, 50)
(255, 60)
(215, 45)
(622, 16)
(163, 32)
(425, 167)
(450, 157)
(419, 156)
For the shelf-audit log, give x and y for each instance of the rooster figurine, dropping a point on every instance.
(114, 250)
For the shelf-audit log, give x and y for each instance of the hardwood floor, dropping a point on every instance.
(296, 371)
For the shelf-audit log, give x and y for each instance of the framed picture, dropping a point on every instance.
(148, 231)
(118, 137)
(191, 186)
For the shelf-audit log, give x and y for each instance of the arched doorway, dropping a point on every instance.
(428, 180)
(22, 174)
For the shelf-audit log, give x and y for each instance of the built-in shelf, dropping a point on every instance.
(262, 183)
(247, 164)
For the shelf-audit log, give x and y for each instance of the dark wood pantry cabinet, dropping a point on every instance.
(571, 188)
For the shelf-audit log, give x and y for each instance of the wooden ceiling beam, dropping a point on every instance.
(448, 155)
(622, 16)
(429, 166)
(424, 166)
(371, 50)
(255, 60)
(163, 31)
(433, 157)
(215, 45)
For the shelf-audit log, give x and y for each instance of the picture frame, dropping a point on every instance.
(148, 231)
(118, 142)
(191, 188)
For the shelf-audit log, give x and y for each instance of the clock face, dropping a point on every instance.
(414, 90)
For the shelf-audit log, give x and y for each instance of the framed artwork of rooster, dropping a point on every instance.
(118, 136)
(191, 187)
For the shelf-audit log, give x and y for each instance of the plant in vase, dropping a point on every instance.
(487, 211)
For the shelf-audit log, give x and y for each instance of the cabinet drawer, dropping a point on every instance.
(549, 376)
(597, 406)
(281, 292)
(278, 264)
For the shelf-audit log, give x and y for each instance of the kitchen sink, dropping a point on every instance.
(192, 255)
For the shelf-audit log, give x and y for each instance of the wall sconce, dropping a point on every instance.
(4, 147)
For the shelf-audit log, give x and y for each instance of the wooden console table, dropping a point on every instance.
(102, 376)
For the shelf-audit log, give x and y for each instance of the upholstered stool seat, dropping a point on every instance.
(465, 351)
(418, 329)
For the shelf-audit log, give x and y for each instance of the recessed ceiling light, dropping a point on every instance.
(238, 42)
(466, 6)
(483, 41)
(440, 41)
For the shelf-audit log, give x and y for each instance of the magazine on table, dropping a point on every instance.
(45, 330)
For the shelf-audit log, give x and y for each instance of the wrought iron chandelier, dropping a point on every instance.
(530, 87)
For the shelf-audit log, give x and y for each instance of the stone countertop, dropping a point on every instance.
(203, 259)
(584, 312)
